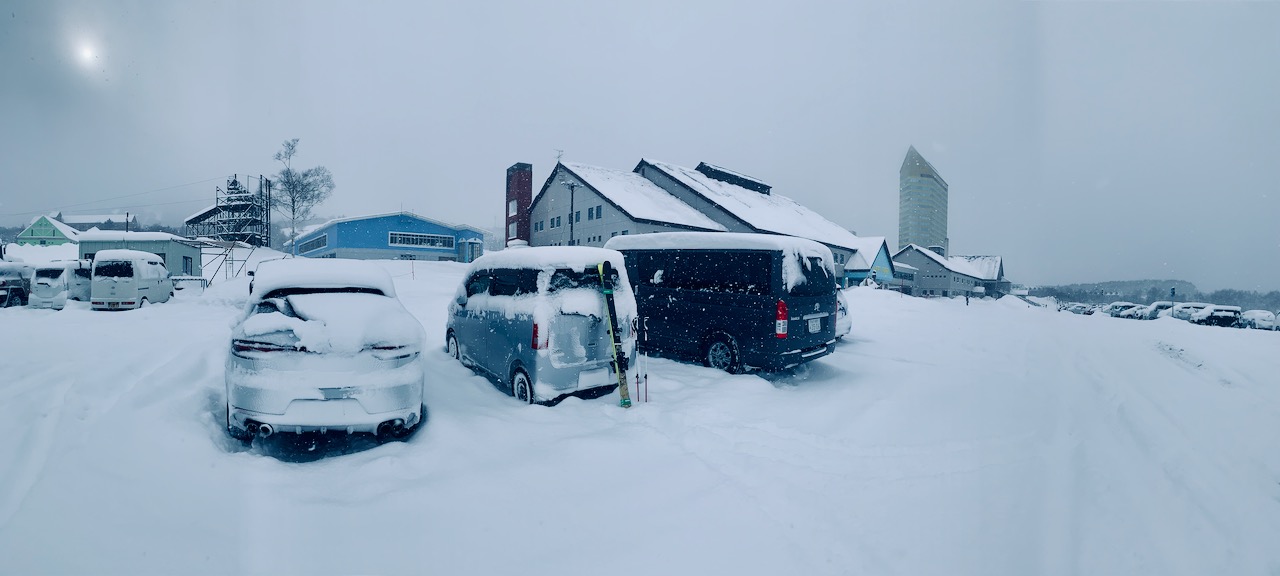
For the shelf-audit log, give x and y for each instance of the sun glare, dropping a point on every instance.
(87, 54)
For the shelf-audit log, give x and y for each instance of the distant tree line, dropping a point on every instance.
(1147, 291)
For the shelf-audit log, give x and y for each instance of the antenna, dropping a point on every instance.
(559, 154)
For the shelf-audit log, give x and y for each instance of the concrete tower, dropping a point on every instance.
(922, 204)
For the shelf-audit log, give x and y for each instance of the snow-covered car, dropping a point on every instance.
(324, 344)
(1258, 319)
(844, 323)
(55, 283)
(15, 284)
(1079, 308)
(1216, 315)
(1153, 310)
(1131, 312)
(128, 279)
(1115, 308)
(534, 321)
(1184, 310)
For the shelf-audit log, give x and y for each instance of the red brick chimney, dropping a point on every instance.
(519, 197)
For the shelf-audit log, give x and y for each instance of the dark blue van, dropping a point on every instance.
(732, 301)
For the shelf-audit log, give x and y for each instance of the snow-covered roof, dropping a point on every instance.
(640, 198)
(987, 267)
(96, 235)
(542, 257)
(67, 231)
(905, 267)
(868, 247)
(123, 254)
(765, 212)
(957, 266)
(313, 228)
(203, 212)
(95, 218)
(321, 273)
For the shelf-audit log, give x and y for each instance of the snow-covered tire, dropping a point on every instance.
(143, 303)
(522, 386)
(451, 344)
(721, 353)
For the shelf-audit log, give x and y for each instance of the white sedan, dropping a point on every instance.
(1260, 319)
(324, 345)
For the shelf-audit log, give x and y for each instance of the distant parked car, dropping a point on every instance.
(1079, 308)
(534, 321)
(844, 323)
(1131, 312)
(128, 279)
(15, 283)
(1116, 308)
(1217, 315)
(1184, 310)
(57, 282)
(324, 344)
(1153, 310)
(733, 301)
(1258, 319)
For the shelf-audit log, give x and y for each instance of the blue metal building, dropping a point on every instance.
(394, 236)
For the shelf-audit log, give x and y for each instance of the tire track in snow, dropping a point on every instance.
(33, 455)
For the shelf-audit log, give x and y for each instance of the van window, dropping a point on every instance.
(514, 282)
(742, 272)
(114, 269)
(49, 273)
(566, 279)
(478, 284)
(817, 280)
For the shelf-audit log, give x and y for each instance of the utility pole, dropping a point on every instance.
(573, 186)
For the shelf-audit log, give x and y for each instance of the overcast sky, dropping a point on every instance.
(1082, 141)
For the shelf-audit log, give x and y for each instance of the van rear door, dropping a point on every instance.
(811, 305)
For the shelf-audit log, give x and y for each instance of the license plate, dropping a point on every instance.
(113, 305)
(815, 325)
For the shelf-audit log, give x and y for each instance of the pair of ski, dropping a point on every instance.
(619, 361)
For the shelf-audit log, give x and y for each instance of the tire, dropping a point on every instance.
(721, 353)
(451, 342)
(143, 303)
(522, 387)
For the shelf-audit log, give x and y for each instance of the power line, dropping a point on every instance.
(59, 208)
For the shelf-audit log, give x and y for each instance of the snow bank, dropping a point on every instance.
(37, 254)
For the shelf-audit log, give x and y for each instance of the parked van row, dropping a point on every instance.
(325, 344)
(113, 280)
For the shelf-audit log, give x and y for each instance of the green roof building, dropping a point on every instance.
(46, 231)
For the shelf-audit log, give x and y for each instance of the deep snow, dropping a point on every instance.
(939, 438)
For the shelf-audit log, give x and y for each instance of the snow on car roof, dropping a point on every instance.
(123, 254)
(321, 273)
(641, 198)
(540, 257)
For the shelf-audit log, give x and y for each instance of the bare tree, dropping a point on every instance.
(298, 192)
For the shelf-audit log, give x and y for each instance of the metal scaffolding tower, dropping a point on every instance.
(238, 214)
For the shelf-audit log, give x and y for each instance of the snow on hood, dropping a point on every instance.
(343, 323)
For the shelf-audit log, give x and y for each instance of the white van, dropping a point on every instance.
(58, 281)
(127, 279)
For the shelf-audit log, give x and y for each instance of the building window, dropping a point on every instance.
(314, 244)
(577, 216)
(511, 208)
(420, 240)
(599, 213)
(591, 214)
(511, 230)
(187, 265)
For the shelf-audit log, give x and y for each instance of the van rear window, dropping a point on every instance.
(114, 269)
(49, 273)
(817, 280)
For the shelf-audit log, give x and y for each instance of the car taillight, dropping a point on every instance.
(537, 342)
(780, 325)
(254, 346)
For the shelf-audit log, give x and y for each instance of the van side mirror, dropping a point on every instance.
(461, 300)
(251, 273)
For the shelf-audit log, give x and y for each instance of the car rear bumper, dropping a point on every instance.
(306, 400)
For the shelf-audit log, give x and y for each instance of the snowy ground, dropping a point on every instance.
(940, 438)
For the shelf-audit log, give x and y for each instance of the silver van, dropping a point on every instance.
(58, 281)
(533, 320)
(128, 279)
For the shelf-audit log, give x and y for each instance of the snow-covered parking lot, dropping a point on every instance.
(939, 438)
